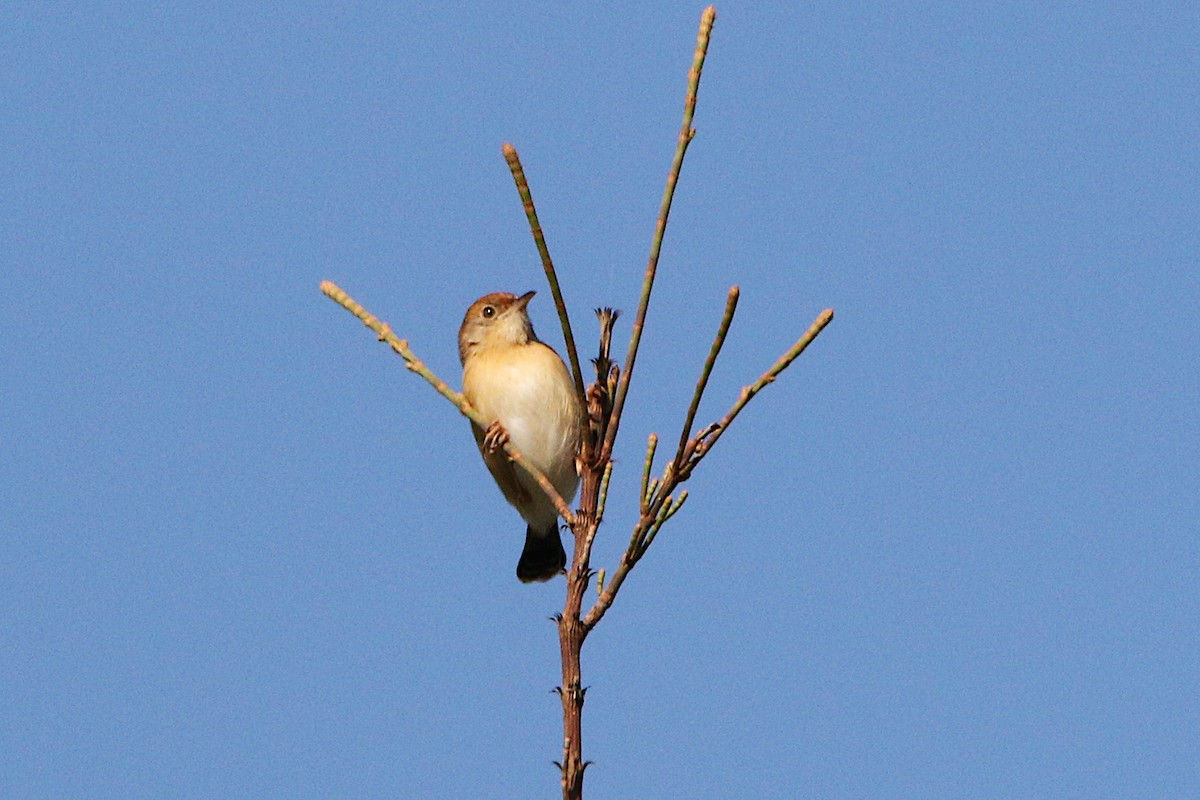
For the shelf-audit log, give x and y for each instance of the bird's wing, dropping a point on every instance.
(503, 471)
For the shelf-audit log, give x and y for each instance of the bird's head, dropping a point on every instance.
(495, 320)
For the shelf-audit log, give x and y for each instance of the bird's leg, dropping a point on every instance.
(495, 437)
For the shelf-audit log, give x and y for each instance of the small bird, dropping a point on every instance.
(523, 387)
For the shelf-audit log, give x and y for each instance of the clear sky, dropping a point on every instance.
(952, 553)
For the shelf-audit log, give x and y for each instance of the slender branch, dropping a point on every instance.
(650, 502)
(608, 593)
(535, 227)
(652, 515)
(686, 132)
(705, 441)
(718, 343)
(400, 346)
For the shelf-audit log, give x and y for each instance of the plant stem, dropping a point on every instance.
(572, 630)
(718, 342)
(686, 132)
(707, 439)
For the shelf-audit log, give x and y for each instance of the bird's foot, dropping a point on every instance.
(495, 437)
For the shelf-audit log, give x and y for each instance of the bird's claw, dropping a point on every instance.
(495, 437)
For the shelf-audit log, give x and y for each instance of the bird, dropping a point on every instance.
(521, 385)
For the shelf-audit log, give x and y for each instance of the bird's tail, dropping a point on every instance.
(543, 557)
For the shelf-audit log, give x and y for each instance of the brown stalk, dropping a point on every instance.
(686, 134)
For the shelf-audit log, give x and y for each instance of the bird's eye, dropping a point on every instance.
(489, 312)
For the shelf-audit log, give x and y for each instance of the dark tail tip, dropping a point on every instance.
(543, 557)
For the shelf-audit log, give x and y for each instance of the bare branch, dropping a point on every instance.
(686, 132)
(718, 342)
(400, 346)
(608, 593)
(705, 441)
(518, 173)
(657, 504)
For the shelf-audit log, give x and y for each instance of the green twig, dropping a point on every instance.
(603, 500)
(668, 511)
(651, 446)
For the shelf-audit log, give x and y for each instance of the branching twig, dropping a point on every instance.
(400, 346)
(657, 503)
(668, 510)
(705, 441)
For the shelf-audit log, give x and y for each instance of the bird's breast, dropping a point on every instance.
(527, 389)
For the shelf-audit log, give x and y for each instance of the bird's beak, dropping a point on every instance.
(523, 301)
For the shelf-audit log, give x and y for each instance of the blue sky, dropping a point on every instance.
(952, 552)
